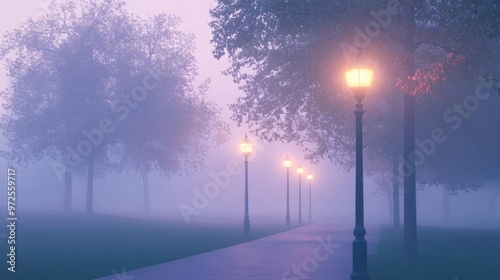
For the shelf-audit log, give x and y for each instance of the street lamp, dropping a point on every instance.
(309, 178)
(300, 170)
(287, 163)
(246, 148)
(359, 78)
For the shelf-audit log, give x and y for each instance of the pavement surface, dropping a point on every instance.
(311, 252)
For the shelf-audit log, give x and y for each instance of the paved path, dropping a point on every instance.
(311, 252)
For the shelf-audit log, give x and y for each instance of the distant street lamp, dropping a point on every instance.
(359, 78)
(246, 148)
(287, 163)
(300, 170)
(309, 178)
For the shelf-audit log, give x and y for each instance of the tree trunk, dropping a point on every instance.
(90, 184)
(145, 183)
(446, 205)
(68, 190)
(410, 247)
(410, 190)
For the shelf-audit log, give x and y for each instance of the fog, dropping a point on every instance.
(40, 189)
(124, 118)
(332, 194)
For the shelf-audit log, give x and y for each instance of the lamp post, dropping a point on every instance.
(300, 170)
(246, 148)
(359, 78)
(309, 178)
(287, 163)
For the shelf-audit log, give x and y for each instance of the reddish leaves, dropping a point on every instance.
(425, 79)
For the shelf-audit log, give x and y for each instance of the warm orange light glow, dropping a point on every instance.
(300, 170)
(309, 177)
(287, 162)
(246, 146)
(359, 77)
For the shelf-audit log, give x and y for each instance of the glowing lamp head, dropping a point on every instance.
(246, 147)
(300, 170)
(359, 75)
(287, 162)
(309, 177)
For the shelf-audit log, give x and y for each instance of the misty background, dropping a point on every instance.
(333, 187)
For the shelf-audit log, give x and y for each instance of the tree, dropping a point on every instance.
(465, 111)
(387, 185)
(59, 71)
(181, 127)
(97, 87)
(172, 127)
(386, 151)
(285, 53)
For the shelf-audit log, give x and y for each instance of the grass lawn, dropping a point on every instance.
(73, 247)
(444, 253)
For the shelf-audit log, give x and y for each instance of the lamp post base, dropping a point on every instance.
(288, 220)
(359, 255)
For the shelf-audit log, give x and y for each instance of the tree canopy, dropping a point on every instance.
(465, 110)
(289, 57)
(101, 89)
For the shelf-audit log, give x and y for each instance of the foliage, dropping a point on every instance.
(74, 68)
(289, 56)
(469, 155)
